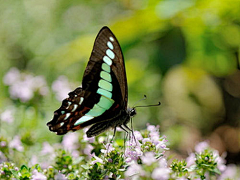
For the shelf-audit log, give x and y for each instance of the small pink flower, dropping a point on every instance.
(138, 135)
(21, 90)
(70, 141)
(97, 159)
(134, 170)
(16, 144)
(3, 143)
(190, 159)
(229, 173)
(47, 149)
(148, 158)
(154, 136)
(162, 162)
(38, 176)
(2, 157)
(60, 176)
(200, 147)
(132, 153)
(75, 153)
(40, 84)
(108, 149)
(45, 164)
(220, 161)
(12, 76)
(161, 173)
(33, 160)
(152, 128)
(161, 145)
(61, 87)
(8, 116)
(146, 140)
(88, 150)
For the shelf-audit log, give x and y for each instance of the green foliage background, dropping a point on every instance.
(173, 50)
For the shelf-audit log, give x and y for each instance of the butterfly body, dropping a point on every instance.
(102, 99)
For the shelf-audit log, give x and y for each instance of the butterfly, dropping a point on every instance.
(102, 100)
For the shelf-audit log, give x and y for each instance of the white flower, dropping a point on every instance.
(61, 87)
(12, 76)
(161, 173)
(229, 173)
(38, 176)
(47, 149)
(88, 149)
(7, 115)
(134, 170)
(138, 135)
(16, 144)
(108, 148)
(162, 162)
(148, 158)
(190, 159)
(60, 176)
(97, 159)
(70, 141)
(200, 147)
(220, 161)
(33, 160)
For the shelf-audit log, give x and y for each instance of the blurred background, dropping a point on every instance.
(182, 53)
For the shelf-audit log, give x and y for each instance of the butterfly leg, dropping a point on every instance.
(123, 129)
(112, 138)
(125, 138)
(124, 145)
(113, 134)
(131, 130)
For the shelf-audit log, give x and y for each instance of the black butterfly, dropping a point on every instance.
(102, 99)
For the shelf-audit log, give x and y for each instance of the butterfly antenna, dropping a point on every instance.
(159, 103)
(145, 97)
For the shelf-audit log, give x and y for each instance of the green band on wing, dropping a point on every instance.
(96, 111)
(106, 67)
(110, 53)
(105, 85)
(105, 102)
(106, 76)
(82, 120)
(110, 45)
(107, 60)
(104, 93)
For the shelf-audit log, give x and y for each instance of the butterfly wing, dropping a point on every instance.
(104, 88)
(106, 51)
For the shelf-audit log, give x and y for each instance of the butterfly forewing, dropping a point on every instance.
(104, 88)
(106, 54)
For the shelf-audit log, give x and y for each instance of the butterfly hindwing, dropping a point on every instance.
(104, 88)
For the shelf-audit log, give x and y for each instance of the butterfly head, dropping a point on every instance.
(131, 111)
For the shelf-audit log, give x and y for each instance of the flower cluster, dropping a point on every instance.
(23, 86)
(142, 156)
(146, 151)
